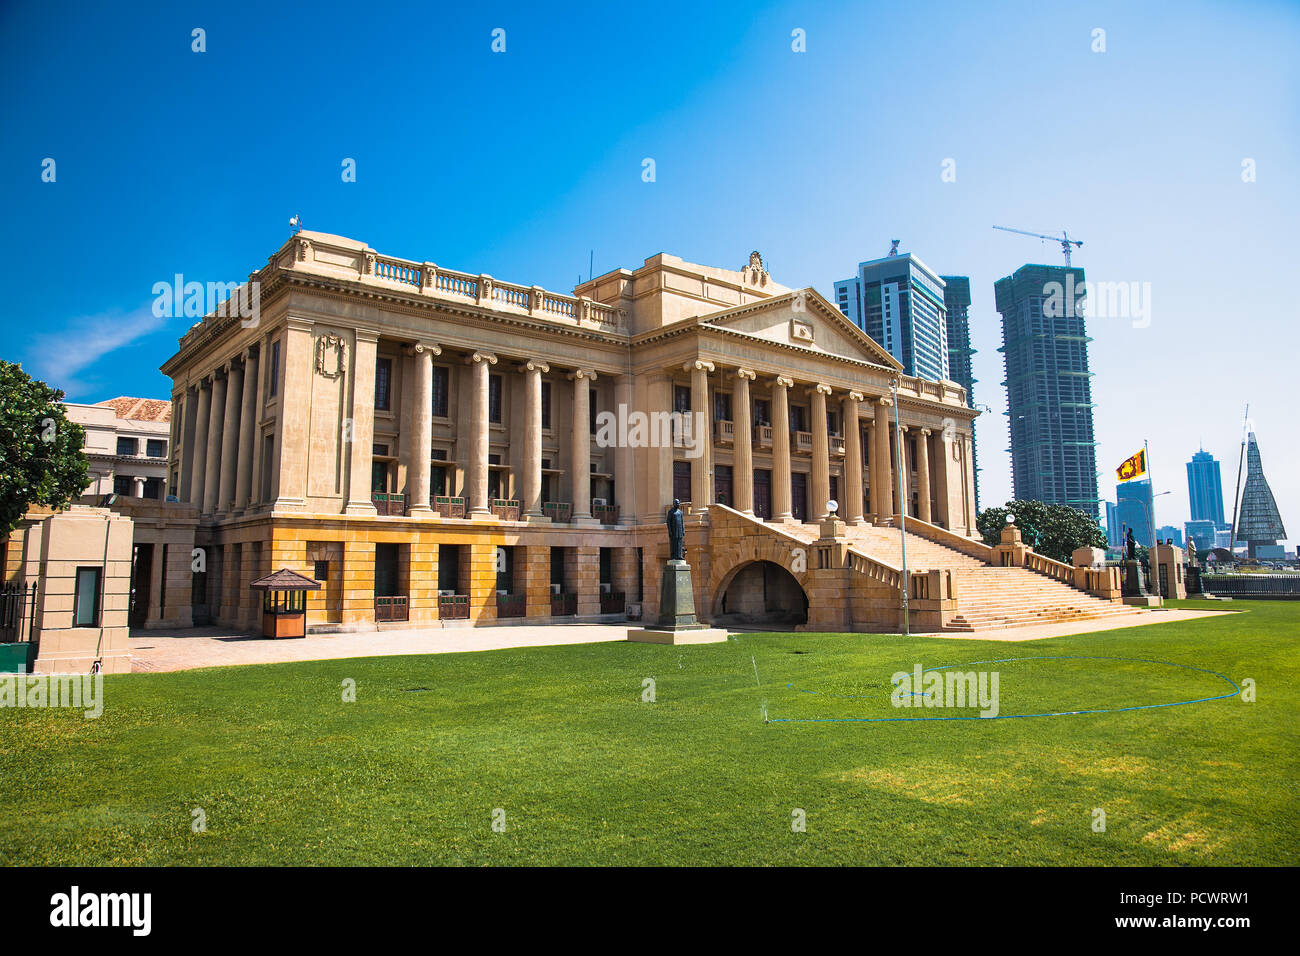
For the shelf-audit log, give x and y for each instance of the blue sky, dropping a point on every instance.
(520, 163)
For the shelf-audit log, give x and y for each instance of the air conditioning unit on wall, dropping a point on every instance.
(555, 589)
(606, 588)
(599, 503)
(447, 592)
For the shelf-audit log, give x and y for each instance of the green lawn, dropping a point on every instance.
(559, 738)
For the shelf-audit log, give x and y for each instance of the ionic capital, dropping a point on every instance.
(856, 397)
(419, 348)
(926, 433)
(477, 357)
(819, 388)
(535, 366)
(746, 374)
(578, 374)
(782, 381)
(698, 365)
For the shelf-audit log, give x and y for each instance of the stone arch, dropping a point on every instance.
(738, 555)
(760, 592)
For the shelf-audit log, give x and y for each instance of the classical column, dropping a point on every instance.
(700, 430)
(624, 458)
(852, 458)
(882, 474)
(476, 472)
(199, 453)
(743, 472)
(247, 430)
(362, 448)
(230, 435)
(781, 506)
(419, 448)
(212, 470)
(968, 469)
(531, 503)
(292, 452)
(138, 481)
(923, 475)
(581, 450)
(185, 437)
(905, 466)
(821, 452)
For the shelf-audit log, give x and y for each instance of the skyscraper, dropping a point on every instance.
(1205, 488)
(1049, 391)
(1259, 525)
(956, 302)
(1133, 510)
(898, 301)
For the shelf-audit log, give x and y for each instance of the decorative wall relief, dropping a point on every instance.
(330, 358)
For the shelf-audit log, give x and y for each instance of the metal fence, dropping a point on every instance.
(1252, 585)
(17, 612)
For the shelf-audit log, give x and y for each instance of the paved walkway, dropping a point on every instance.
(221, 647)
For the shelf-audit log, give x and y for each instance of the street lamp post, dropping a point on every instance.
(902, 506)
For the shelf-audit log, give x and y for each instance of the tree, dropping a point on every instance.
(41, 456)
(1053, 531)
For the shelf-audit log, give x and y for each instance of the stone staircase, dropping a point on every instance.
(988, 597)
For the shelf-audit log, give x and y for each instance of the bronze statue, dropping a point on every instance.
(1130, 546)
(676, 532)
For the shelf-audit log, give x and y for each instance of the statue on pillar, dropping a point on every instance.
(1191, 553)
(1130, 546)
(676, 532)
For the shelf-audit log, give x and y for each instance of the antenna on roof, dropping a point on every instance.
(893, 246)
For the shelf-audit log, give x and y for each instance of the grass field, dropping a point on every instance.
(286, 772)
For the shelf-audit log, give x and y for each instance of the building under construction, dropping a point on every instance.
(1258, 524)
(1049, 386)
(956, 301)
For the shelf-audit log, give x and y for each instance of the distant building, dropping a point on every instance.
(1204, 533)
(1114, 533)
(1133, 509)
(899, 301)
(127, 444)
(1205, 488)
(956, 302)
(1259, 524)
(1049, 391)
(1167, 531)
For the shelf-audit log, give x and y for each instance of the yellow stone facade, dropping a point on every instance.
(405, 429)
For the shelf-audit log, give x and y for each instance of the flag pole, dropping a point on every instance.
(1151, 515)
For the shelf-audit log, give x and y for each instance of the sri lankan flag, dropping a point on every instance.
(1135, 467)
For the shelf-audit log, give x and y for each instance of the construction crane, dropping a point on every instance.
(1064, 239)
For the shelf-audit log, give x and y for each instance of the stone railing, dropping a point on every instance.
(802, 441)
(949, 539)
(725, 431)
(315, 253)
(762, 436)
(1049, 566)
(876, 570)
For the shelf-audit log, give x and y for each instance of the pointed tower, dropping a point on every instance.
(1260, 522)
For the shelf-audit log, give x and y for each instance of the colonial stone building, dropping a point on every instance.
(126, 442)
(434, 445)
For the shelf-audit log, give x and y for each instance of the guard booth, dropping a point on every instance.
(284, 603)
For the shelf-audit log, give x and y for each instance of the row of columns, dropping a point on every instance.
(881, 475)
(218, 465)
(476, 476)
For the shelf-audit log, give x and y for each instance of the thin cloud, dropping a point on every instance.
(59, 357)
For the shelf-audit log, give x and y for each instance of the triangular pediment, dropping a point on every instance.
(803, 319)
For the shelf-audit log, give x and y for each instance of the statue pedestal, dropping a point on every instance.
(677, 623)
